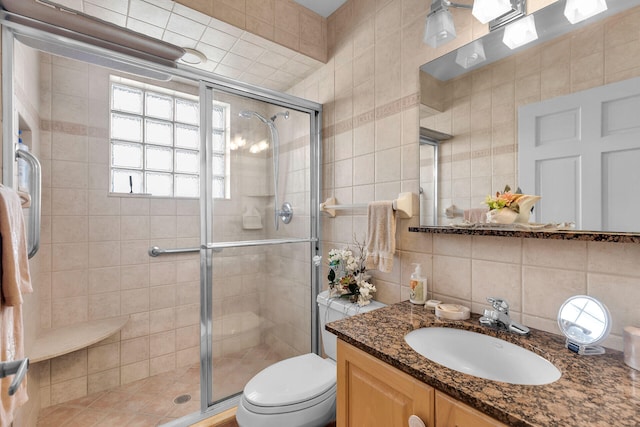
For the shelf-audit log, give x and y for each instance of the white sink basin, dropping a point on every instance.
(483, 356)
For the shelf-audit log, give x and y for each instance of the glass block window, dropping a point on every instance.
(155, 142)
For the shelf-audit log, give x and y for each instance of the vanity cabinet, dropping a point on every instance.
(452, 413)
(372, 393)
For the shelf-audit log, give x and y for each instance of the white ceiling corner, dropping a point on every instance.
(322, 7)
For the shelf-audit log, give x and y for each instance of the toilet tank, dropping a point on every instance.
(330, 309)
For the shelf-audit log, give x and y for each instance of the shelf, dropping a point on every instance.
(56, 342)
(587, 236)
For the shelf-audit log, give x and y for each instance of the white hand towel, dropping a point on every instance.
(14, 266)
(14, 281)
(381, 236)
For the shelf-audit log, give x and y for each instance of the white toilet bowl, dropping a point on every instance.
(299, 391)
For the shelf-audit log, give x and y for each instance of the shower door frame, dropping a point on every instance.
(61, 45)
(207, 89)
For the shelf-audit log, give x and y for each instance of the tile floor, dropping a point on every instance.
(150, 402)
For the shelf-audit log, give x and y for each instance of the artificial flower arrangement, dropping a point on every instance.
(506, 199)
(347, 278)
(508, 207)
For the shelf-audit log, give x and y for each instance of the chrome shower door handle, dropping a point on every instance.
(35, 187)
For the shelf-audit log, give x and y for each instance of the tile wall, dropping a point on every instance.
(369, 89)
(97, 245)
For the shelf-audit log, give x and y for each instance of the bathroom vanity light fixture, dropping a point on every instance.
(471, 54)
(440, 28)
(579, 10)
(520, 32)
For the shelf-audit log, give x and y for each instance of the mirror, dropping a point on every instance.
(479, 105)
(585, 322)
(429, 142)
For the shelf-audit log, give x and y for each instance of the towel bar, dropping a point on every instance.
(18, 368)
(404, 205)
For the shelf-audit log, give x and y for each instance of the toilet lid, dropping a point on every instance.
(291, 381)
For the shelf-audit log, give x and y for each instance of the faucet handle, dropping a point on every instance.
(499, 304)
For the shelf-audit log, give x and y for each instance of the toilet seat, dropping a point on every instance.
(291, 385)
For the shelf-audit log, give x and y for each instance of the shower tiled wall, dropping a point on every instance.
(369, 89)
(96, 247)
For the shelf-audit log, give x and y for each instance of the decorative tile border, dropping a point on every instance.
(73, 128)
(386, 110)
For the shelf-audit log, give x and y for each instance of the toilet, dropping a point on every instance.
(299, 391)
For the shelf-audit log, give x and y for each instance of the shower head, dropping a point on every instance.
(247, 114)
(284, 114)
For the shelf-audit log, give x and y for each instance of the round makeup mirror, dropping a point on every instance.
(585, 322)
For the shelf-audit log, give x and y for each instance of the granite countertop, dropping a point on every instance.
(593, 390)
(502, 230)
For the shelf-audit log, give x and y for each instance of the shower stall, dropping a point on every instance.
(202, 246)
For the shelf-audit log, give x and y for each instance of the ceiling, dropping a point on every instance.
(230, 52)
(322, 7)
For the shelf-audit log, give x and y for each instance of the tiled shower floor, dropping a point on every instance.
(150, 401)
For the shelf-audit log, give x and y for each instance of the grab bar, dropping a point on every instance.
(156, 251)
(18, 368)
(217, 247)
(35, 186)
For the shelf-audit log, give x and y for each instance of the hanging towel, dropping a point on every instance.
(381, 236)
(15, 280)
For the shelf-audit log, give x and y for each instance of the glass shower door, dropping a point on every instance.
(260, 233)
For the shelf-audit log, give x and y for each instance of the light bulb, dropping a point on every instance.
(520, 32)
(439, 28)
(488, 10)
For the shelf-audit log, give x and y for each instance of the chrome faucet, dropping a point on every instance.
(499, 317)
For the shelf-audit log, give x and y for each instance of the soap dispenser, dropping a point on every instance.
(418, 284)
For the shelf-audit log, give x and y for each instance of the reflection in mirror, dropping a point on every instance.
(479, 106)
(429, 142)
(585, 322)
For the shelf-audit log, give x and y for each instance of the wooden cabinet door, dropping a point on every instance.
(372, 393)
(452, 413)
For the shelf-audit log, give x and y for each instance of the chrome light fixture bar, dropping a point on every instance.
(518, 10)
(440, 28)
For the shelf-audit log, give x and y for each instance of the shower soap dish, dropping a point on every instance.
(251, 220)
(452, 312)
